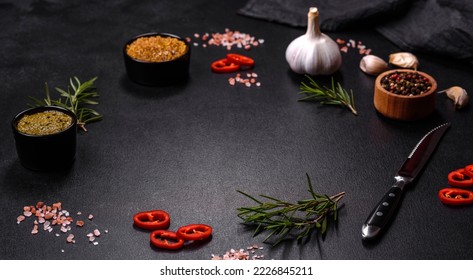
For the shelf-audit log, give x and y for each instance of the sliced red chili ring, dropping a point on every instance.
(240, 59)
(151, 220)
(224, 66)
(166, 239)
(460, 179)
(469, 170)
(194, 232)
(455, 197)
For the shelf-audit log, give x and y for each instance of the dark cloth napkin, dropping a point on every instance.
(440, 27)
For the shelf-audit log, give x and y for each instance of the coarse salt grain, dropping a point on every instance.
(57, 205)
(35, 229)
(48, 216)
(46, 226)
(20, 219)
(70, 238)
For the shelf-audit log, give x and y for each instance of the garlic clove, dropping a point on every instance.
(373, 65)
(313, 53)
(458, 95)
(404, 60)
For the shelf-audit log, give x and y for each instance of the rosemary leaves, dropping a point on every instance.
(82, 94)
(336, 95)
(280, 217)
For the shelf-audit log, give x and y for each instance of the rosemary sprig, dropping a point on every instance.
(336, 95)
(280, 217)
(82, 94)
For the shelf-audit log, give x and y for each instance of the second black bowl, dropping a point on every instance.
(50, 152)
(158, 73)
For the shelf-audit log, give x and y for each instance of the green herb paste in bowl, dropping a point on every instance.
(44, 123)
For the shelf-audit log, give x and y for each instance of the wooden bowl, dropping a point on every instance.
(402, 107)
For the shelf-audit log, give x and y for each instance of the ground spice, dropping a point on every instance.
(156, 49)
(44, 123)
(406, 83)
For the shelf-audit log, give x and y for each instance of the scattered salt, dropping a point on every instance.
(345, 46)
(52, 216)
(228, 40)
(241, 254)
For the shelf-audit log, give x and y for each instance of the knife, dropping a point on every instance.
(381, 214)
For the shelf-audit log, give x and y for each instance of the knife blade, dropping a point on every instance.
(410, 169)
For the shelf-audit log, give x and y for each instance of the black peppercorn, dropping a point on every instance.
(402, 83)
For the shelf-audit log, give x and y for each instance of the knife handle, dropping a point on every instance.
(382, 213)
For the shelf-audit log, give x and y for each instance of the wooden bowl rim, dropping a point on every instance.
(431, 79)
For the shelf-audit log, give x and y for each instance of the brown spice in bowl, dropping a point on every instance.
(156, 49)
(44, 123)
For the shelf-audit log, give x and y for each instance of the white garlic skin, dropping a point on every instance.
(373, 65)
(404, 60)
(458, 95)
(313, 53)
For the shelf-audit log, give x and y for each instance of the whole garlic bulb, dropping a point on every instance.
(373, 65)
(313, 53)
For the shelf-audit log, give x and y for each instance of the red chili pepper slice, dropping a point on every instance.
(240, 59)
(455, 197)
(460, 179)
(194, 232)
(224, 66)
(166, 239)
(469, 170)
(151, 220)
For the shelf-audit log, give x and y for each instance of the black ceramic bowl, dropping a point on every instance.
(46, 152)
(158, 73)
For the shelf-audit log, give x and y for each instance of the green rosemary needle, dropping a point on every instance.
(82, 94)
(336, 95)
(280, 217)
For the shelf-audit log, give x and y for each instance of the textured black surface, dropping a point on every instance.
(187, 148)
(439, 27)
